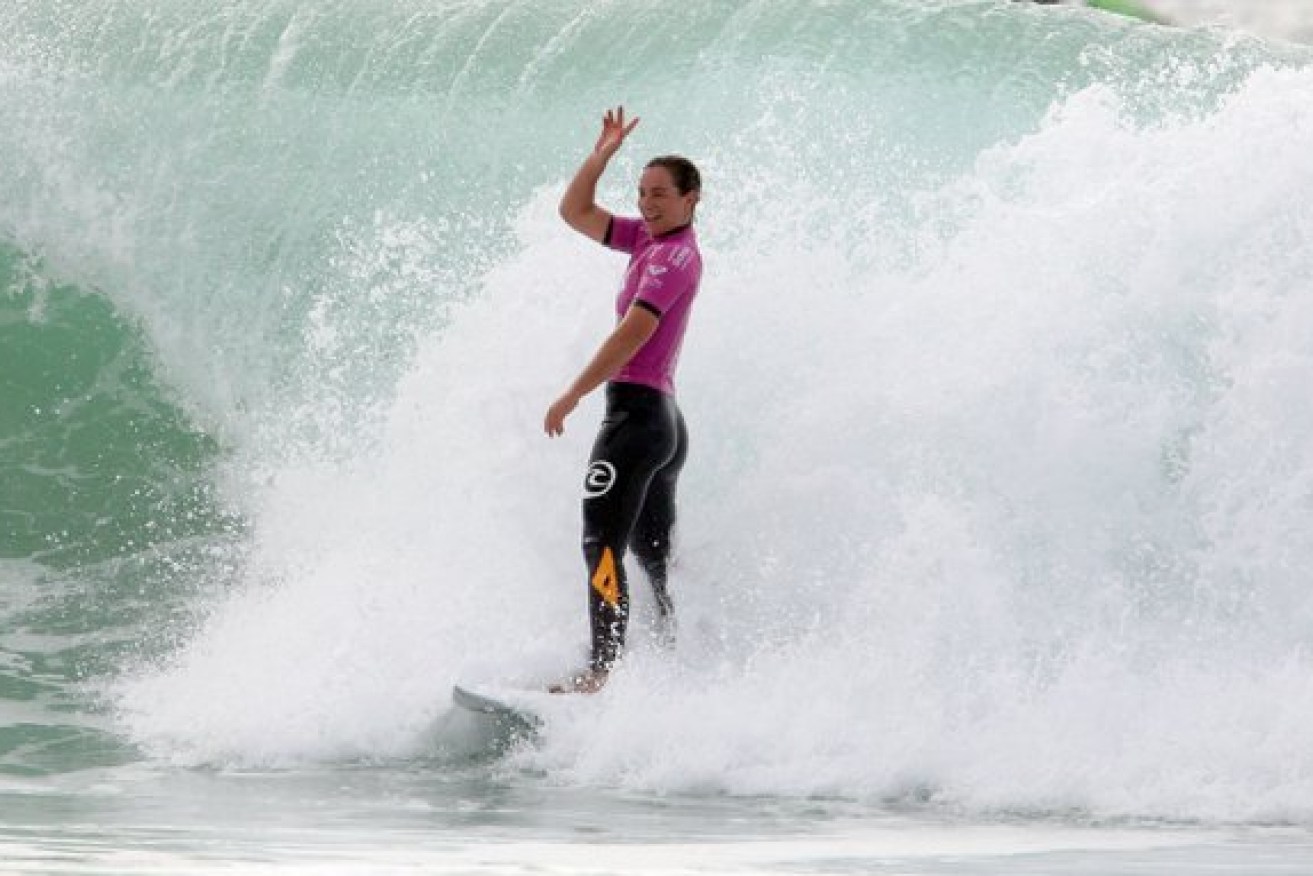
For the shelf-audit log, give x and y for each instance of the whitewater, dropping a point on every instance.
(993, 555)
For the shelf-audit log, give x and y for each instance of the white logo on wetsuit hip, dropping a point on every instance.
(599, 480)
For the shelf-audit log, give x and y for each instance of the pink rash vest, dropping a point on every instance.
(663, 277)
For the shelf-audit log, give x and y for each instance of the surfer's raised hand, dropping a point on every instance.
(614, 132)
(579, 202)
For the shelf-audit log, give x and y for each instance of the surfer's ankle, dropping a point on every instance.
(664, 632)
(588, 681)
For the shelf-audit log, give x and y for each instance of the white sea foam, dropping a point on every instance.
(1286, 19)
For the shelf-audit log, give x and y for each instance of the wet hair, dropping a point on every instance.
(682, 171)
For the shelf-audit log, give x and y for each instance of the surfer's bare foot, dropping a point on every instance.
(588, 681)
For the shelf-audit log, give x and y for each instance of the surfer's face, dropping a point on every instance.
(659, 201)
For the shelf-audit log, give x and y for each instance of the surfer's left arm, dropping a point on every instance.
(629, 336)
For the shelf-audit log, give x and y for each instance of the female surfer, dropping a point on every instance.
(629, 488)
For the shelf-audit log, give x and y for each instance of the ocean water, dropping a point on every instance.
(994, 554)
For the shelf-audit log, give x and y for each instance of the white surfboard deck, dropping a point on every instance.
(507, 704)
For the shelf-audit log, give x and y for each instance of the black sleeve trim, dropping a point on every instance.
(649, 307)
(606, 238)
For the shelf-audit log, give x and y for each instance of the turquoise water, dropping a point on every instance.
(994, 551)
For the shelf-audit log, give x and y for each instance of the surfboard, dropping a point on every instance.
(505, 706)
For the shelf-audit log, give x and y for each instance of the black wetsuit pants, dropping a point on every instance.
(629, 502)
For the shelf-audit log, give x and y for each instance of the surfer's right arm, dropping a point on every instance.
(579, 203)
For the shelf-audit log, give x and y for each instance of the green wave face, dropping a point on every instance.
(109, 520)
(95, 461)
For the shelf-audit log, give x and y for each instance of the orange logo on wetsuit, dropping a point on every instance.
(605, 580)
